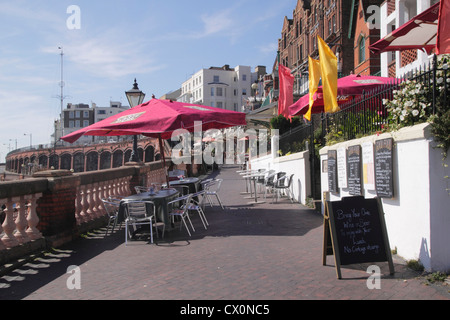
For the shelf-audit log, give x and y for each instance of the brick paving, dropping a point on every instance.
(269, 251)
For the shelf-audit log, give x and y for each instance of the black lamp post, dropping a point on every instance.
(135, 97)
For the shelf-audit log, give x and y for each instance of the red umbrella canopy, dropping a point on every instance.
(418, 33)
(348, 88)
(160, 118)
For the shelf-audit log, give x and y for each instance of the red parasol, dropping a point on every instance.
(348, 88)
(159, 119)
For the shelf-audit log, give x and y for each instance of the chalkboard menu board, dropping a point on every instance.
(354, 170)
(383, 168)
(358, 231)
(332, 171)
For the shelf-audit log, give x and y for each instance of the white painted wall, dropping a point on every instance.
(297, 164)
(418, 216)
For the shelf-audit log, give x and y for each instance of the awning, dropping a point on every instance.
(418, 33)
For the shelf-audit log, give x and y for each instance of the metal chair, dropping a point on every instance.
(281, 184)
(139, 213)
(112, 209)
(179, 207)
(197, 206)
(212, 188)
(183, 190)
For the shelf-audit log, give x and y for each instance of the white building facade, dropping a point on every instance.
(393, 14)
(77, 116)
(225, 87)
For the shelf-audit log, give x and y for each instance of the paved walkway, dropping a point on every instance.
(270, 251)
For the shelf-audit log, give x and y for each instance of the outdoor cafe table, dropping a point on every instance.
(160, 199)
(254, 177)
(192, 182)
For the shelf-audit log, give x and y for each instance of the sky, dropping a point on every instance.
(107, 44)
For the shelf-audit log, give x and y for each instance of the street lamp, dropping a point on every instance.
(135, 97)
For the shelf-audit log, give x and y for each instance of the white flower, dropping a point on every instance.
(409, 103)
(440, 80)
(415, 113)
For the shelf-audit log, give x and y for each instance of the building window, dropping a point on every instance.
(219, 104)
(244, 77)
(85, 114)
(361, 49)
(212, 92)
(244, 92)
(71, 114)
(219, 92)
(216, 79)
(71, 124)
(101, 112)
(85, 123)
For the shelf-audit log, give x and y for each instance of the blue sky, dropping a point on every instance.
(161, 43)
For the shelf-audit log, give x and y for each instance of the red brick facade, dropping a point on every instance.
(328, 19)
(366, 63)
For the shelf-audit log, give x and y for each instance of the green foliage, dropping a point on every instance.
(283, 124)
(415, 265)
(436, 277)
(412, 104)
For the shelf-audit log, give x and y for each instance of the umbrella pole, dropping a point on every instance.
(161, 149)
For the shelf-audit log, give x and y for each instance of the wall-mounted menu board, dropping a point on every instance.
(358, 232)
(332, 171)
(383, 168)
(354, 170)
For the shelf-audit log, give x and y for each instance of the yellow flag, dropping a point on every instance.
(328, 69)
(314, 78)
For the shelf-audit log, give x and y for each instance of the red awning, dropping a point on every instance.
(418, 33)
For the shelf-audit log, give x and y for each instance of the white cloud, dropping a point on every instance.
(105, 57)
(217, 22)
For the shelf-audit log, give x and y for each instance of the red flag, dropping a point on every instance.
(286, 95)
(443, 35)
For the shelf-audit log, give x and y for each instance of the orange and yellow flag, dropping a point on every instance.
(314, 78)
(328, 70)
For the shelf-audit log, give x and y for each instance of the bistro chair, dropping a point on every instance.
(179, 207)
(196, 205)
(141, 213)
(183, 190)
(112, 209)
(212, 188)
(281, 184)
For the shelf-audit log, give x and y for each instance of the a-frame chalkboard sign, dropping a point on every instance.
(355, 232)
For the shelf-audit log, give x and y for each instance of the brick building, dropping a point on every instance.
(327, 18)
(366, 32)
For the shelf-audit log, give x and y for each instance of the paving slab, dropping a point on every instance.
(269, 251)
